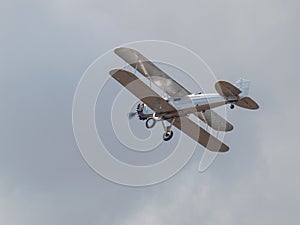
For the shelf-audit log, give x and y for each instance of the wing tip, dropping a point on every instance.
(226, 128)
(222, 148)
(117, 50)
(121, 49)
(114, 72)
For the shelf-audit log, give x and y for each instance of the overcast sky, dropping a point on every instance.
(46, 46)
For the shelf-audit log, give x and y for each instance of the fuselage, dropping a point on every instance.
(191, 101)
(194, 100)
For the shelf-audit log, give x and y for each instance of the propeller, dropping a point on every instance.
(131, 115)
(139, 109)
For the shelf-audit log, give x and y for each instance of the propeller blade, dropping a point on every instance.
(131, 115)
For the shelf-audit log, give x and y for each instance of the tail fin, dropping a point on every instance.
(244, 86)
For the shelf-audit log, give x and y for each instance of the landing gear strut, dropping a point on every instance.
(168, 132)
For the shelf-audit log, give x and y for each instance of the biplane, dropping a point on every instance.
(174, 109)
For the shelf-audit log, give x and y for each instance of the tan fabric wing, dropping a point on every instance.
(215, 121)
(194, 131)
(141, 91)
(152, 72)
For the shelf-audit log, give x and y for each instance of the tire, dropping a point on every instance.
(231, 106)
(150, 123)
(168, 135)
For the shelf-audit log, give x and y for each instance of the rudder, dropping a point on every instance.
(244, 86)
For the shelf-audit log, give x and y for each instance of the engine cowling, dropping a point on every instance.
(140, 111)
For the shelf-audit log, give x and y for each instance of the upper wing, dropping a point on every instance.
(168, 85)
(152, 72)
(159, 105)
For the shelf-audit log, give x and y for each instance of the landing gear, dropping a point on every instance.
(168, 135)
(150, 122)
(168, 132)
(232, 106)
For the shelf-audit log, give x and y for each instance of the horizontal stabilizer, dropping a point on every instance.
(247, 103)
(226, 89)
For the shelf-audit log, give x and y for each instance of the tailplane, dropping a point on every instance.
(247, 103)
(237, 94)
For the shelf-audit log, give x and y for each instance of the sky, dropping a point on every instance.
(47, 46)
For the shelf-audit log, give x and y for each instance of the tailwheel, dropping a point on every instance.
(168, 135)
(150, 122)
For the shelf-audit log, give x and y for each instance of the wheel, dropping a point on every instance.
(231, 106)
(150, 122)
(168, 135)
